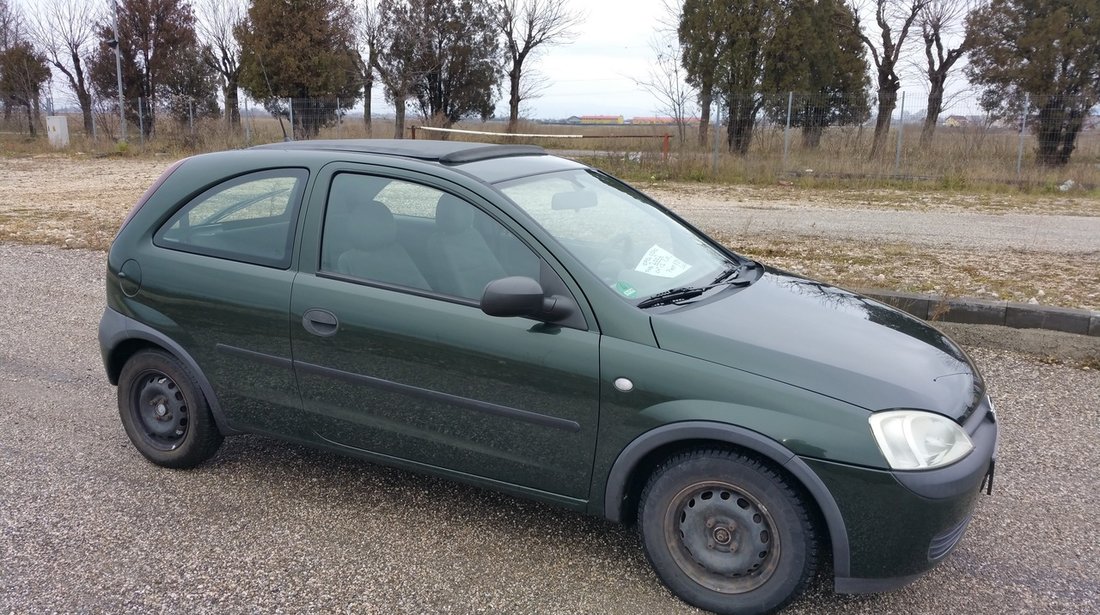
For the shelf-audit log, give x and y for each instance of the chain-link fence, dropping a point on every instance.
(827, 134)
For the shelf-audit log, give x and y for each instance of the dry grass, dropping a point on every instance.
(79, 200)
(973, 159)
(1051, 279)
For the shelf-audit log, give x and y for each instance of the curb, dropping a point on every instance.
(979, 312)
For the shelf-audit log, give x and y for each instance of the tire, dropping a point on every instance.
(164, 411)
(727, 533)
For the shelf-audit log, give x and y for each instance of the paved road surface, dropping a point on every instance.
(971, 231)
(86, 525)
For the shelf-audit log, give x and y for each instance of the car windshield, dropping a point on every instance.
(634, 247)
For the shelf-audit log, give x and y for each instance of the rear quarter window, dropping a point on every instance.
(250, 218)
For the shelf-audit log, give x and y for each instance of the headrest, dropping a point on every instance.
(453, 215)
(372, 226)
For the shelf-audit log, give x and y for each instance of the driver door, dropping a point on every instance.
(396, 360)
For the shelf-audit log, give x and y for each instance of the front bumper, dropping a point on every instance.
(901, 524)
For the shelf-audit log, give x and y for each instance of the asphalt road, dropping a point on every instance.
(1058, 234)
(86, 525)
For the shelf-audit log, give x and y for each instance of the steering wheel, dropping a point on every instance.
(623, 244)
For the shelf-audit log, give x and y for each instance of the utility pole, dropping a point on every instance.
(118, 73)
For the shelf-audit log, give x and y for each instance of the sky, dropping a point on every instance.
(595, 74)
(598, 72)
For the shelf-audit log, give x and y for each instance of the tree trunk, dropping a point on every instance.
(85, 100)
(30, 121)
(935, 107)
(813, 125)
(1057, 132)
(83, 96)
(399, 117)
(513, 96)
(739, 125)
(705, 100)
(811, 136)
(232, 104)
(887, 100)
(368, 90)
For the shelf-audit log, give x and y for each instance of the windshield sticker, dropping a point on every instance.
(659, 262)
(625, 289)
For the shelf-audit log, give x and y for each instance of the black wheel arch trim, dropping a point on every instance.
(619, 476)
(116, 328)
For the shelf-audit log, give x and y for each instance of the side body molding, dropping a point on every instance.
(116, 328)
(633, 453)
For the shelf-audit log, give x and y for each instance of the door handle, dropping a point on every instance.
(320, 322)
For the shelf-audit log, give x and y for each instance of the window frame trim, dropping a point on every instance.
(294, 209)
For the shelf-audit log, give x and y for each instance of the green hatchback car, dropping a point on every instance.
(525, 323)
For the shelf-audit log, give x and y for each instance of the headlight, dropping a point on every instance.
(918, 440)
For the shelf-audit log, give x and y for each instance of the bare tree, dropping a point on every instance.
(23, 72)
(527, 25)
(367, 33)
(11, 25)
(214, 23)
(397, 47)
(11, 34)
(667, 81)
(65, 31)
(940, 20)
(889, 14)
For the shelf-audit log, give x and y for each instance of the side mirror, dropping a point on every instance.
(522, 296)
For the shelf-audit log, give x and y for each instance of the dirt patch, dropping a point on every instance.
(75, 202)
(79, 202)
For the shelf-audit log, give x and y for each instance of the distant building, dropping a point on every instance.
(661, 121)
(594, 119)
(956, 121)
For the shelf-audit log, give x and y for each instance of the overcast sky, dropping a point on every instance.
(598, 73)
(595, 74)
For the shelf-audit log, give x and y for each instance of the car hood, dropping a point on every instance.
(828, 340)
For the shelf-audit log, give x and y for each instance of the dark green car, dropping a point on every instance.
(526, 323)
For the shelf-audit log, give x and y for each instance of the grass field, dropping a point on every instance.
(967, 159)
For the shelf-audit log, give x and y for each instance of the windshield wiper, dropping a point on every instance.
(733, 269)
(674, 294)
(683, 293)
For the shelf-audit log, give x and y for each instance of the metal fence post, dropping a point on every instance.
(717, 133)
(337, 118)
(901, 134)
(191, 116)
(1023, 131)
(244, 122)
(141, 122)
(290, 106)
(787, 130)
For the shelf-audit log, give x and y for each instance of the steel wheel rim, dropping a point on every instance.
(722, 537)
(159, 409)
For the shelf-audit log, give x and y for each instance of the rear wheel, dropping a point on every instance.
(727, 533)
(164, 411)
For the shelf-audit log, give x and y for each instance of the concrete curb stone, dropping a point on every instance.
(982, 312)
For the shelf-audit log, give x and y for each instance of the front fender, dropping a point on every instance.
(619, 478)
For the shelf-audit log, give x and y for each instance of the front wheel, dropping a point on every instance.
(727, 533)
(164, 411)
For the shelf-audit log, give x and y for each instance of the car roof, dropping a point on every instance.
(444, 152)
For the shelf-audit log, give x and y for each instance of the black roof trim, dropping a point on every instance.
(445, 152)
(489, 152)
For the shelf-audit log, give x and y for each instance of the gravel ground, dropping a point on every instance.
(1059, 234)
(1010, 246)
(86, 525)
